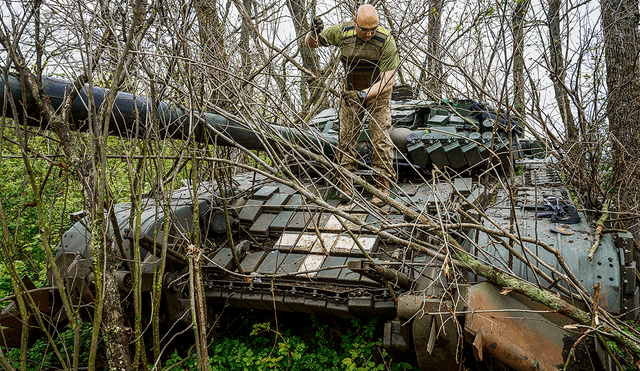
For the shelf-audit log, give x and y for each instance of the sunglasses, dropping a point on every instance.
(366, 30)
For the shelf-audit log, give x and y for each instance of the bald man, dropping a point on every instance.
(368, 53)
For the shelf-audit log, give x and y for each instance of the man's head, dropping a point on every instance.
(366, 22)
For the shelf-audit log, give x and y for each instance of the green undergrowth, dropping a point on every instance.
(317, 345)
(623, 356)
(41, 355)
(61, 194)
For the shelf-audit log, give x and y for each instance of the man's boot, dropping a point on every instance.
(382, 184)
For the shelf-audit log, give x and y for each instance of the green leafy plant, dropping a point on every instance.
(353, 345)
(41, 356)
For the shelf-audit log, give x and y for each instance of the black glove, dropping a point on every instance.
(352, 97)
(317, 25)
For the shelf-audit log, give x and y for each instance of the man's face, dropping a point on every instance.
(366, 28)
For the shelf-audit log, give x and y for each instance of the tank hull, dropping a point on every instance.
(300, 250)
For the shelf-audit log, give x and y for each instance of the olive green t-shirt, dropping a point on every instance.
(389, 59)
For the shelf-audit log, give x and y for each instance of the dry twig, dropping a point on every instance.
(599, 228)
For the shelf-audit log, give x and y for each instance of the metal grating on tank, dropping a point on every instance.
(542, 175)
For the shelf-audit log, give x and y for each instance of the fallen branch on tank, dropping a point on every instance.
(599, 228)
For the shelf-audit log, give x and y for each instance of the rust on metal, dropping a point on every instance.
(512, 328)
(11, 319)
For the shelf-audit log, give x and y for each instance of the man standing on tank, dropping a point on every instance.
(368, 53)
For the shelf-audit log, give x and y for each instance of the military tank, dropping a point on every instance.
(293, 247)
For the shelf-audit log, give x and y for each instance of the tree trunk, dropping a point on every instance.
(558, 71)
(518, 56)
(620, 24)
(113, 329)
(434, 65)
(211, 33)
(103, 248)
(300, 14)
(245, 32)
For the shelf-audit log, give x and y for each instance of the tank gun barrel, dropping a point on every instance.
(133, 116)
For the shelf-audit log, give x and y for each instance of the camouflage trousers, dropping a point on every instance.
(352, 118)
